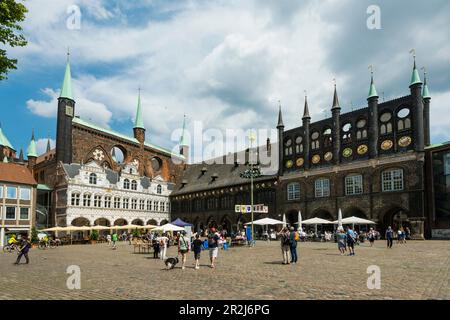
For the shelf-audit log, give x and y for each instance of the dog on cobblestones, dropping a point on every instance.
(171, 263)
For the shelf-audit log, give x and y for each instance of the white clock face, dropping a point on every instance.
(69, 110)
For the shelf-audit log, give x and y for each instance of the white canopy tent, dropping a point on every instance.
(315, 222)
(353, 221)
(265, 222)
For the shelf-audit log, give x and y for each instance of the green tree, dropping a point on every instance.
(11, 13)
(34, 233)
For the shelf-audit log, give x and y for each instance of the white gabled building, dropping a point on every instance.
(92, 195)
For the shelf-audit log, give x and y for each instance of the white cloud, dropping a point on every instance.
(223, 63)
(41, 145)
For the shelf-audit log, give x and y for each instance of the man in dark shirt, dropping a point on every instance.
(389, 237)
(213, 245)
(24, 247)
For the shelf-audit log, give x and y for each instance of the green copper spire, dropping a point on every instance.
(66, 91)
(415, 78)
(425, 91)
(32, 148)
(4, 140)
(372, 91)
(139, 122)
(184, 141)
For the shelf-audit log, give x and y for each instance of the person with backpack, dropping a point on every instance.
(389, 237)
(351, 239)
(285, 244)
(294, 238)
(213, 245)
(183, 248)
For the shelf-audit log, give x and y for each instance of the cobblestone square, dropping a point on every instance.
(416, 270)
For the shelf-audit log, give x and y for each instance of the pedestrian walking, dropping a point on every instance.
(163, 241)
(197, 248)
(114, 239)
(351, 239)
(285, 244)
(24, 247)
(341, 238)
(371, 236)
(389, 237)
(108, 238)
(294, 237)
(183, 248)
(213, 245)
(156, 249)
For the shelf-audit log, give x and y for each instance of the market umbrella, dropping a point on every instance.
(148, 226)
(100, 228)
(300, 221)
(316, 221)
(266, 221)
(54, 229)
(284, 220)
(168, 227)
(354, 220)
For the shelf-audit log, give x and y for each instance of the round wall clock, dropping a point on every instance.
(347, 152)
(316, 159)
(362, 149)
(328, 156)
(289, 164)
(404, 141)
(300, 162)
(386, 145)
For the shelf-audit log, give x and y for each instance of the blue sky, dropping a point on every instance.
(225, 63)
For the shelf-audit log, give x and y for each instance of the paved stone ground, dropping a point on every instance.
(417, 270)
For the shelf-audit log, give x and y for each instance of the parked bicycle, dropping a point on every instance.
(11, 248)
(47, 244)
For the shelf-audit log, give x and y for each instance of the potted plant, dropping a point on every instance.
(34, 238)
(94, 236)
(136, 233)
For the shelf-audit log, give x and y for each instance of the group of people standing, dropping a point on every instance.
(185, 246)
(289, 239)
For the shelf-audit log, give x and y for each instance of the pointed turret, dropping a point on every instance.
(66, 90)
(335, 99)
(184, 141)
(32, 147)
(139, 130)
(113, 155)
(415, 78)
(280, 118)
(48, 146)
(372, 91)
(425, 91)
(4, 142)
(21, 156)
(139, 122)
(306, 109)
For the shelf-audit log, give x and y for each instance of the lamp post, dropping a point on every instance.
(251, 173)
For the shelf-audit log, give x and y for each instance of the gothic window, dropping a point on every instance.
(392, 180)
(322, 188)
(75, 199)
(288, 147)
(315, 143)
(353, 184)
(97, 201)
(133, 204)
(386, 123)
(92, 178)
(149, 205)
(116, 203)
(161, 206)
(86, 200)
(404, 121)
(133, 185)
(126, 203)
(293, 191)
(159, 189)
(142, 205)
(107, 202)
(299, 144)
(126, 184)
(361, 132)
(168, 206)
(155, 205)
(327, 139)
(347, 134)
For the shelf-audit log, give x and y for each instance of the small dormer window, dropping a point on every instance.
(131, 170)
(214, 176)
(126, 184)
(204, 170)
(159, 189)
(92, 178)
(133, 185)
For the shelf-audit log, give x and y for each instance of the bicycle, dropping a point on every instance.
(47, 244)
(10, 248)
